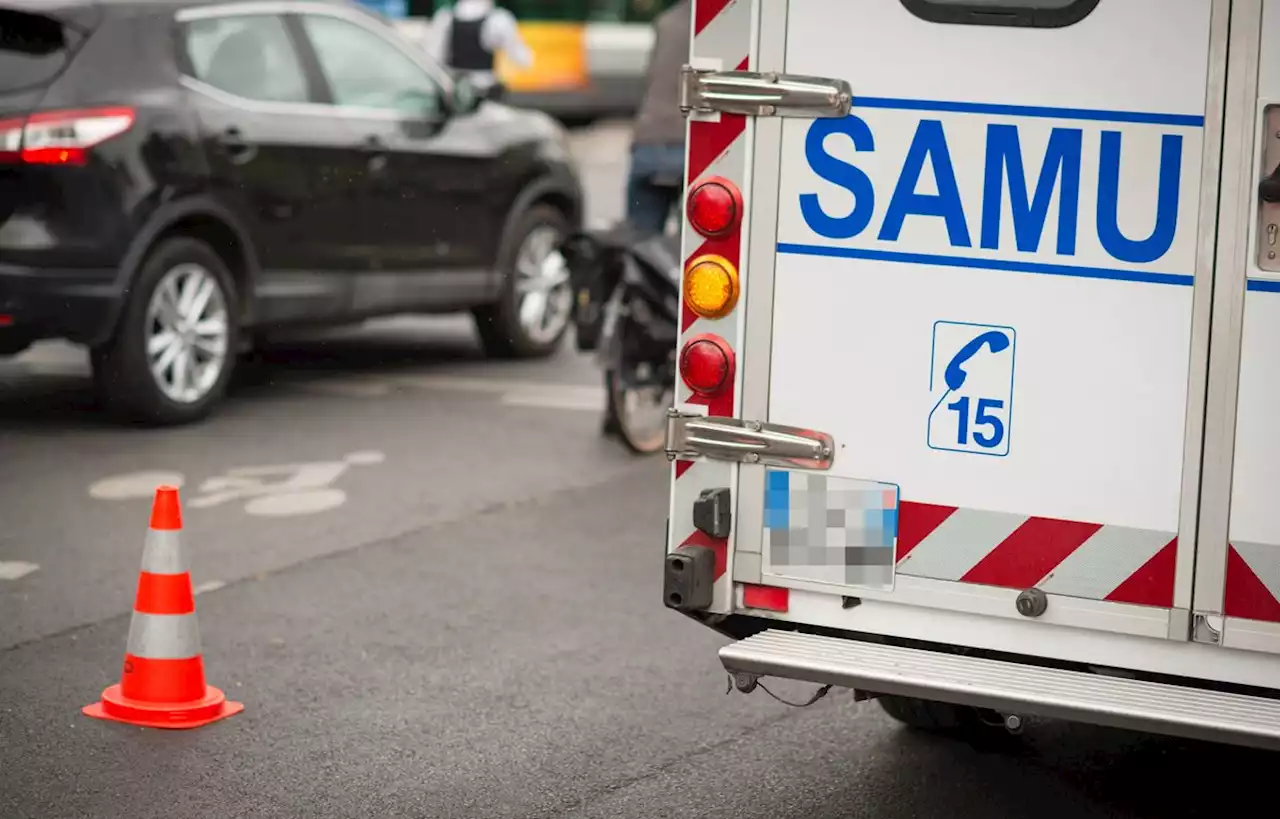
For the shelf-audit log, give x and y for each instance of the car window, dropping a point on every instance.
(367, 70)
(251, 56)
(33, 49)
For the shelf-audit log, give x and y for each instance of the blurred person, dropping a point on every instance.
(656, 178)
(468, 37)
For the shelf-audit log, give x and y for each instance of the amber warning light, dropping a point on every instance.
(710, 286)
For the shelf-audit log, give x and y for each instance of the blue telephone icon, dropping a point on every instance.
(955, 374)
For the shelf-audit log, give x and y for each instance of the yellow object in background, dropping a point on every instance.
(559, 59)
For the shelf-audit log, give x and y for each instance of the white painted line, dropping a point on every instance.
(504, 386)
(53, 369)
(456, 382)
(583, 399)
(351, 388)
(134, 485)
(208, 586)
(16, 569)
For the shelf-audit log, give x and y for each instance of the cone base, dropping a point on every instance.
(116, 707)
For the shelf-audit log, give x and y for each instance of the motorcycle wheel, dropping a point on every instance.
(623, 415)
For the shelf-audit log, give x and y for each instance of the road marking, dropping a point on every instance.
(458, 383)
(134, 485)
(583, 399)
(16, 569)
(510, 392)
(352, 387)
(208, 586)
(277, 490)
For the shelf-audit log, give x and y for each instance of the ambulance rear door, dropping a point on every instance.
(990, 285)
(1237, 591)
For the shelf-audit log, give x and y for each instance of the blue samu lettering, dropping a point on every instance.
(1005, 174)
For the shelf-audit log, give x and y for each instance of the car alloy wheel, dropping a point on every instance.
(542, 287)
(187, 333)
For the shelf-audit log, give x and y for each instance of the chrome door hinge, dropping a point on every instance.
(1206, 628)
(750, 442)
(759, 94)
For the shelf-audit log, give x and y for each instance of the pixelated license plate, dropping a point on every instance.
(825, 529)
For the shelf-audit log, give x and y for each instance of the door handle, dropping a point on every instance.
(1269, 187)
(239, 150)
(377, 153)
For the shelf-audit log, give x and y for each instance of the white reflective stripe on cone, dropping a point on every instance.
(164, 636)
(163, 552)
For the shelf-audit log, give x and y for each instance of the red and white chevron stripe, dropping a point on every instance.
(717, 146)
(1253, 581)
(1067, 557)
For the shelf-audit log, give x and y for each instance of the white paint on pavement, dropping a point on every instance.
(365, 458)
(16, 569)
(352, 387)
(134, 485)
(208, 586)
(459, 383)
(277, 490)
(298, 489)
(579, 399)
(296, 503)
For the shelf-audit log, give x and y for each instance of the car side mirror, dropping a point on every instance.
(422, 112)
(466, 98)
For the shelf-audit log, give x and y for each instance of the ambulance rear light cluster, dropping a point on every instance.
(710, 284)
(60, 137)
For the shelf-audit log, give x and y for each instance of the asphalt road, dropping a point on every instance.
(461, 619)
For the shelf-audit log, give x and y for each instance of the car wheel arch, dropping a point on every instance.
(205, 219)
(543, 190)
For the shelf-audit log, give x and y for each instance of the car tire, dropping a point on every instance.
(501, 331)
(122, 367)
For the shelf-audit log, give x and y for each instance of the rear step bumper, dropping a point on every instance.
(1009, 687)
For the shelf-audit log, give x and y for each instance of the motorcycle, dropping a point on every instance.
(626, 291)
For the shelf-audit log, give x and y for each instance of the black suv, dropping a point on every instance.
(178, 178)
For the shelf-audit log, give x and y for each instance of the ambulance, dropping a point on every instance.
(978, 400)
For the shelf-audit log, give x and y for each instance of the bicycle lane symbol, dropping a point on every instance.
(971, 388)
(278, 490)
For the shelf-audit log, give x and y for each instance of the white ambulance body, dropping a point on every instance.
(979, 398)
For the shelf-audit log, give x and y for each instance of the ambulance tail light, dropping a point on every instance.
(710, 286)
(714, 206)
(706, 364)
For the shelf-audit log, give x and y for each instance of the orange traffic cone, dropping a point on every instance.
(163, 684)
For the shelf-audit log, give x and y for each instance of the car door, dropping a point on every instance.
(421, 197)
(279, 160)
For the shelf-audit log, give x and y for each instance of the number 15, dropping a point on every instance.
(982, 417)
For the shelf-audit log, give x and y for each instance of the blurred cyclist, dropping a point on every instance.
(468, 37)
(657, 144)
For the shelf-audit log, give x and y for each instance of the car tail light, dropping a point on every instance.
(706, 364)
(61, 137)
(710, 286)
(10, 139)
(714, 206)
